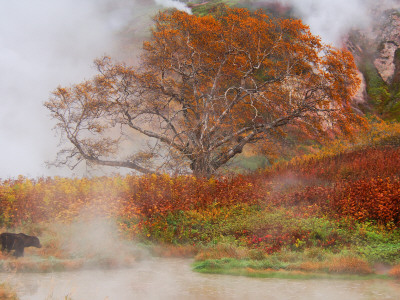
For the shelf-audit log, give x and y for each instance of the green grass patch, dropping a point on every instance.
(270, 268)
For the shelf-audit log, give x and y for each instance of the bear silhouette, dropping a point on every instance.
(17, 242)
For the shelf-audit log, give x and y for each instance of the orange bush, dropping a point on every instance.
(363, 184)
(310, 266)
(7, 293)
(395, 272)
(62, 199)
(24, 200)
(369, 199)
(151, 195)
(363, 163)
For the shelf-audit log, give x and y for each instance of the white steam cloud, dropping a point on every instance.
(175, 4)
(331, 20)
(97, 242)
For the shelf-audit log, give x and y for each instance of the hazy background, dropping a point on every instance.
(46, 43)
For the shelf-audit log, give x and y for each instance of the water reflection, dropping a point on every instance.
(173, 279)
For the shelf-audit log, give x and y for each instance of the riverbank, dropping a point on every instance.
(335, 269)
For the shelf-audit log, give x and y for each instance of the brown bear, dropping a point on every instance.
(17, 242)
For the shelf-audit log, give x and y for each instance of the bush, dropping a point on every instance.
(369, 199)
(395, 272)
(349, 265)
(7, 293)
(62, 199)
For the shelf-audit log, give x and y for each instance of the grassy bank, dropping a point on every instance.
(337, 268)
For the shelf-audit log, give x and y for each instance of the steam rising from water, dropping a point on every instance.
(94, 239)
(97, 241)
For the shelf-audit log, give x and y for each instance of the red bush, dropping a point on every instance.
(150, 195)
(62, 199)
(369, 199)
(364, 163)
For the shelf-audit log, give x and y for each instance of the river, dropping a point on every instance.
(173, 279)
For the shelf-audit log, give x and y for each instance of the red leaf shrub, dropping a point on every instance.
(62, 199)
(369, 199)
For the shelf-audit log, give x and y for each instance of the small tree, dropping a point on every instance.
(206, 87)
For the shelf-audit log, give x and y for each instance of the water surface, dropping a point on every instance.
(173, 279)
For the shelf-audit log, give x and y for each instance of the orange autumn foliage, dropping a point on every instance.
(350, 165)
(371, 199)
(62, 199)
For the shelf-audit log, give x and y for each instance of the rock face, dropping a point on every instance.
(388, 42)
(360, 98)
(396, 62)
(376, 50)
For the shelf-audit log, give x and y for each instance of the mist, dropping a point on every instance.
(332, 20)
(173, 279)
(173, 3)
(44, 44)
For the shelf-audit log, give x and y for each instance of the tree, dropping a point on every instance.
(206, 87)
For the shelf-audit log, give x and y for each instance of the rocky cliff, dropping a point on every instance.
(387, 42)
(376, 50)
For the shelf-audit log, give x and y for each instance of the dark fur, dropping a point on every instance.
(17, 242)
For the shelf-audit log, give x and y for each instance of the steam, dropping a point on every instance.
(175, 4)
(97, 241)
(332, 20)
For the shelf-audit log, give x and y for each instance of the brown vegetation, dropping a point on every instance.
(7, 293)
(395, 272)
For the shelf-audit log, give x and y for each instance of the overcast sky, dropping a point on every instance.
(46, 43)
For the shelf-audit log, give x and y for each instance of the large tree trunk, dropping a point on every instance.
(201, 167)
